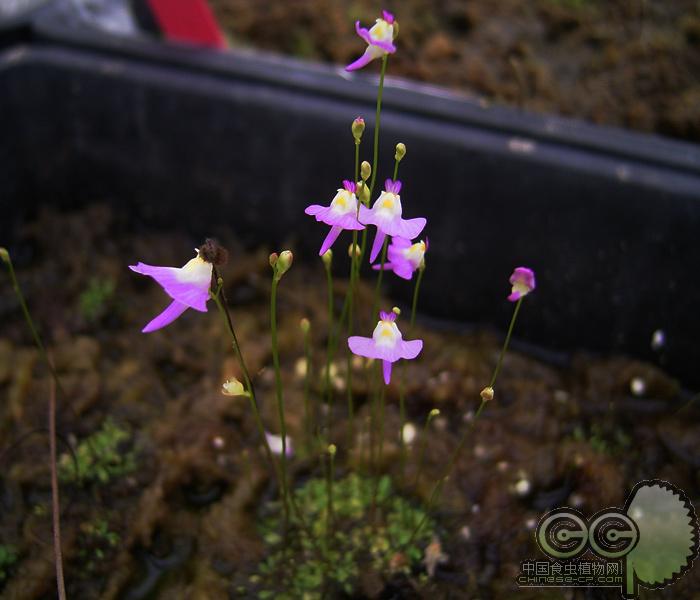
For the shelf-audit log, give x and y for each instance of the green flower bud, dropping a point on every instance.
(434, 413)
(363, 192)
(282, 264)
(327, 258)
(396, 310)
(365, 170)
(400, 151)
(487, 394)
(233, 387)
(4, 255)
(305, 325)
(354, 249)
(358, 127)
(332, 449)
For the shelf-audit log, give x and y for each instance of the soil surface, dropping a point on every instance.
(630, 63)
(173, 513)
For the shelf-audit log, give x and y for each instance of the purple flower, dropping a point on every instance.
(386, 344)
(403, 257)
(341, 214)
(523, 281)
(386, 215)
(380, 40)
(188, 286)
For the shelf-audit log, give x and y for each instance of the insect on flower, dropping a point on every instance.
(188, 286)
(341, 214)
(523, 282)
(386, 215)
(380, 40)
(386, 344)
(404, 258)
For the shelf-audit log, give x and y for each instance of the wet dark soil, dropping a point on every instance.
(630, 63)
(182, 524)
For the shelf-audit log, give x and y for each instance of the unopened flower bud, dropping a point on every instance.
(434, 413)
(396, 29)
(396, 310)
(304, 325)
(365, 170)
(233, 387)
(327, 258)
(487, 394)
(363, 192)
(358, 126)
(400, 151)
(274, 257)
(4, 255)
(332, 449)
(354, 250)
(282, 264)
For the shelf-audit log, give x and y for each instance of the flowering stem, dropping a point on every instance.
(423, 443)
(378, 287)
(308, 419)
(329, 349)
(30, 322)
(402, 387)
(497, 370)
(219, 298)
(54, 385)
(354, 275)
(437, 489)
(385, 60)
(396, 169)
(278, 386)
(416, 289)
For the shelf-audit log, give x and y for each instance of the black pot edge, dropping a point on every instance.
(56, 24)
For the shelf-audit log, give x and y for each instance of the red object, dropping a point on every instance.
(188, 21)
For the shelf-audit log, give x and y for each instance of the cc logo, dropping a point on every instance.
(564, 533)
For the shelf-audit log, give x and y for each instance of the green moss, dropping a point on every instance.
(8, 559)
(95, 299)
(298, 568)
(103, 456)
(96, 543)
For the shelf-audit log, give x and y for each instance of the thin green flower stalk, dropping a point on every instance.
(423, 444)
(54, 385)
(328, 267)
(234, 388)
(358, 127)
(375, 149)
(487, 395)
(280, 265)
(309, 412)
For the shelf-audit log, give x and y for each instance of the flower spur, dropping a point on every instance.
(341, 214)
(386, 215)
(386, 344)
(380, 40)
(188, 286)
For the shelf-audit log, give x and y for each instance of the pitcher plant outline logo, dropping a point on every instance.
(651, 542)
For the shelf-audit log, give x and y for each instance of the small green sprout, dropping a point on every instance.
(95, 299)
(97, 542)
(103, 456)
(8, 559)
(357, 538)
